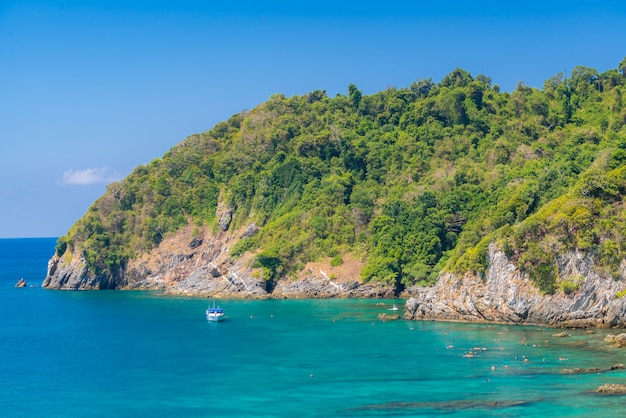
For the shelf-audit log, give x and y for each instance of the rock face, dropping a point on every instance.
(317, 284)
(504, 294)
(69, 272)
(187, 264)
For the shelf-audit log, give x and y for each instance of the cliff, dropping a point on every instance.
(504, 294)
(195, 264)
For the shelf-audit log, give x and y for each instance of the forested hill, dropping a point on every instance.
(411, 180)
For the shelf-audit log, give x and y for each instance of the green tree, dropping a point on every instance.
(354, 94)
(622, 67)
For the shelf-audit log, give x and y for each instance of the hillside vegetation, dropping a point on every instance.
(412, 181)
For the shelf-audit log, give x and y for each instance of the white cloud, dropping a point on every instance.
(90, 176)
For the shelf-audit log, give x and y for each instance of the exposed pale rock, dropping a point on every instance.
(186, 264)
(317, 284)
(250, 231)
(504, 294)
(69, 272)
(617, 340)
(20, 283)
(612, 389)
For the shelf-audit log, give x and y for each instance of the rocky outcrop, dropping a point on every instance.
(504, 294)
(612, 389)
(196, 266)
(20, 283)
(317, 284)
(594, 370)
(224, 216)
(616, 340)
(69, 272)
(193, 265)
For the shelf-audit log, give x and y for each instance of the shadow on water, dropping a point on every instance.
(445, 406)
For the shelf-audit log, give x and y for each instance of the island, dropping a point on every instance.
(472, 203)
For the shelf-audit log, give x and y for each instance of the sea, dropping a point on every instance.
(137, 353)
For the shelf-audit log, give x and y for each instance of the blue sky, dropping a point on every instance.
(91, 89)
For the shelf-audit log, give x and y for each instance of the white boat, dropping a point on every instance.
(394, 308)
(214, 313)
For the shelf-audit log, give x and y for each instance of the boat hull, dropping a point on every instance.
(215, 317)
(214, 314)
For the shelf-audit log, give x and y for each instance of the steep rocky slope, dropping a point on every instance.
(504, 294)
(195, 264)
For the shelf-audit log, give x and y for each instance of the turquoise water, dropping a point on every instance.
(113, 353)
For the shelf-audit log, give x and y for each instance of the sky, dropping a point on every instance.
(91, 89)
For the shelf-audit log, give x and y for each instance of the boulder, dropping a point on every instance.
(617, 340)
(612, 389)
(20, 283)
(224, 216)
(195, 243)
(250, 231)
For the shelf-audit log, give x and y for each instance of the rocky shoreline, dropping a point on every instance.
(202, 266)
(506, 295)
(193, 266)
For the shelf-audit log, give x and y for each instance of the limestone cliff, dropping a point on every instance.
(504, 294)
(69, 272)
(194, 264)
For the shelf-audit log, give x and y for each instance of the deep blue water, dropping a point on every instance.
(108, 353)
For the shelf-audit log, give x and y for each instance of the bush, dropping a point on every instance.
(572, 285)
(336, 261)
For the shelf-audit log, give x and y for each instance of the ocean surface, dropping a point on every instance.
(130, 353)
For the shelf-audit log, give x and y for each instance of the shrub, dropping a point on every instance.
(569, 286)
(336, 261)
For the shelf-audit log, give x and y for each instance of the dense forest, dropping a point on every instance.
(412, 181)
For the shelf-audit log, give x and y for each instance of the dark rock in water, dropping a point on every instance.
(612, 389)
(20, 283)
(443, 406)
(579, 370)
